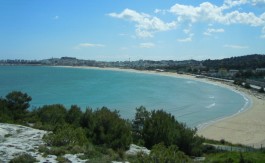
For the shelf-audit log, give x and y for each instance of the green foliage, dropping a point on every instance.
(161, 153)
(246, 157)
(222, 141)
(65, 136)
(242, 62)
(52, 115)
(87, 121)
(141, 116)
(14, 106)
(160, 128)
(72, 130)
(189, 142)
(18, 101)
(73, 115)
(5, 113)
(24, 158)
(7, 135)
(62, 160)
(111, 130)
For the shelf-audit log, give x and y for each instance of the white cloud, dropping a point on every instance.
(157, 11)
(146, 25)
(188, 29)
(233, 3)
(88, 45)
(213, 30)
(187, 39)
(236, 46)
(237, 17)
(225, 14)
(207, 12)
(147, 45)
(258, 2)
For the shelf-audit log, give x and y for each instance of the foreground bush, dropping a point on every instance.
(65, 136)
(111, 130)
(13, 108)
(160, 127)
(161, 153)
(25, 158)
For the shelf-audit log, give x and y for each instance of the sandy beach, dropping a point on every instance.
(246, 128)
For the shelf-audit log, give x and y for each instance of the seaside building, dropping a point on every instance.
(260, 69)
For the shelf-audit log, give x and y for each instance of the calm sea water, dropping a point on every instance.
(192, 102)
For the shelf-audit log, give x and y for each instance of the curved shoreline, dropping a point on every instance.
(248, 105)
(244, 127)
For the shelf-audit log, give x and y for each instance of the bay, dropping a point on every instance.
(190, 101)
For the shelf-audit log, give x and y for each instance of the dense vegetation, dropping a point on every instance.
(102, 135)
(240, 63)
(92, 131)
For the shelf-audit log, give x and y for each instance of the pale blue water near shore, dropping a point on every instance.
(190, 101)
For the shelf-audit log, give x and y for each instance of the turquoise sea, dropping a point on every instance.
(190, 101)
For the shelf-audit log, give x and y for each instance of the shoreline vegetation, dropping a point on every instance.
(99, 135)
(245, 127)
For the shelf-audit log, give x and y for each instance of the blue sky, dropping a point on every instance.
(111, 30)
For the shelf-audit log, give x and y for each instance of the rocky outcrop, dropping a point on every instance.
(16, 140)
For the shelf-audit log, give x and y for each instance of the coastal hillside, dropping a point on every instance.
(241, 63)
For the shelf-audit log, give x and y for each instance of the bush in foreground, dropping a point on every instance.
(24, 158)
(161, 153)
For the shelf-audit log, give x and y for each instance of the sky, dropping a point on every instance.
(119, 30)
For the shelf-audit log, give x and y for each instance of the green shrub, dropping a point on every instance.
(222, 141)
(62, 160)
(111, 130)
(8, 135)
(65, 136)
(53, 115)
(162, 127)
(73, 115)
(24, 158)
(161, 153)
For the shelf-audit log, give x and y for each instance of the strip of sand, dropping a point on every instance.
(246, 128)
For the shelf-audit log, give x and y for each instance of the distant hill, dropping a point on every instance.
(243, 62)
